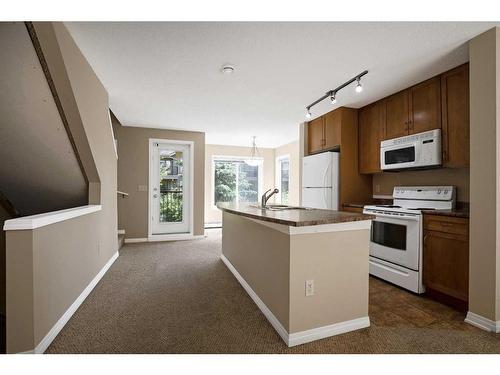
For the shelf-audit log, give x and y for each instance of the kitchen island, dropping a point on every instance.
(306, 269)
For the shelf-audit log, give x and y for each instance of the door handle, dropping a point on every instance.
(155, 195)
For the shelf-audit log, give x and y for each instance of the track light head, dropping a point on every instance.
(358, 88)
(308, 113)
(333, 98)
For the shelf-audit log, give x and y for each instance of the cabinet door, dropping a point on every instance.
(370, 126)
(315, 138)
(332, 129)
(446, 263)
(396, 115)
(425, 106)
(455, 117)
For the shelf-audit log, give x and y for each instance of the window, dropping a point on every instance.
(283, 178)
(235, 180)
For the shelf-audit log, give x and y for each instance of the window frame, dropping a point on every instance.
(277, 179)
(240, 159)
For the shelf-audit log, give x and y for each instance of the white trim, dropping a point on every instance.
(113, 134)
(54, 331)
(41, 220)
(482, 322)
(327, 331)
(322, 228)
(191, 181)
(135, 240)
(121, 231)
(301, 337)
(174, 237)
(166, 237)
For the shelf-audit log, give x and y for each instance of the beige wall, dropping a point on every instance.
(49, 267)
(484, 256)
(4, 215)
(57, 263)
(212, 214)
(276, 266)
(133, 170)
(383, 183)
(291, 149)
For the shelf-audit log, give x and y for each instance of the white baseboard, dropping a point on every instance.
(166, 237)
(174, 237)
(135, 240)
(482, 322)
(47, 340)
(327, 331)
(301, 337)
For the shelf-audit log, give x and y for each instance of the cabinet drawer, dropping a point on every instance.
(446, 224)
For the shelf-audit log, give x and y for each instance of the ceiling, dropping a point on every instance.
(167, 74)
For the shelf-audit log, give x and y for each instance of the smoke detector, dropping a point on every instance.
(227, 69)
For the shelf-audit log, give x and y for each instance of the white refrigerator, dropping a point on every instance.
(320, 181)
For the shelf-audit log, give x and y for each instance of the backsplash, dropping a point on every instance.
(383, 183)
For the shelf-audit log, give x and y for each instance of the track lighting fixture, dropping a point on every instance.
(358, 88)
(333, 99)
(333, 93)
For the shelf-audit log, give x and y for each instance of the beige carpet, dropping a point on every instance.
(180, 298)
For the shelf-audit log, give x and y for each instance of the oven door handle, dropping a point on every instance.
(404, 217)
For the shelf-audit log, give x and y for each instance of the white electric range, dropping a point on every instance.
(396, 245)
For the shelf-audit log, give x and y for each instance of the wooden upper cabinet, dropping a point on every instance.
(370, 131)
(455, 117)
(332, 129)
(315, 135)
(425, 106)
(397, 115)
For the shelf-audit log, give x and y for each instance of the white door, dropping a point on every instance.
(317, 198)
(316, 170)
(170, 196)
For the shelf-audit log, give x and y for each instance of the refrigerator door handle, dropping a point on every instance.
(324, 184)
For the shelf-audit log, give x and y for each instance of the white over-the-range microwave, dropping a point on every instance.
(413, 151)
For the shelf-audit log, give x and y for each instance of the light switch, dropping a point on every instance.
(142, 188)
(309, 288)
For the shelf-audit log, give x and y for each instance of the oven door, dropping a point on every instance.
(405, 155)
(396, 239)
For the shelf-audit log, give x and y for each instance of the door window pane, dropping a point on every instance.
(171, 188)
(235, 181)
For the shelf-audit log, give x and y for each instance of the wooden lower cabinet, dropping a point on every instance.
(446, 259)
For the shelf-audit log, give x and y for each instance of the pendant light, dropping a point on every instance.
(255, 158)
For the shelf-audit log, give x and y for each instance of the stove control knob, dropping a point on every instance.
(439, 191)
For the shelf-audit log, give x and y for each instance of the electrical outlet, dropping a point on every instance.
(377, 188)
(309, 288)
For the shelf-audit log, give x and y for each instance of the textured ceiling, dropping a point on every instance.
(166, 74)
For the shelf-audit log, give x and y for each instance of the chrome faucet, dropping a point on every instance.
(265, 197)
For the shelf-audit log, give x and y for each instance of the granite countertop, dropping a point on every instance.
(452, 213)
(294, 217)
